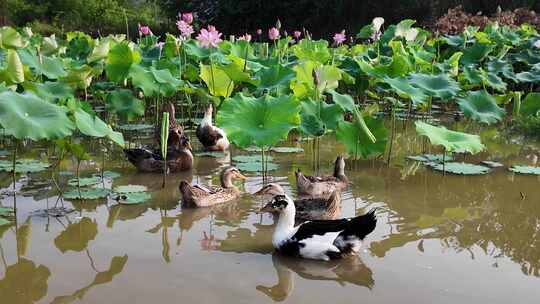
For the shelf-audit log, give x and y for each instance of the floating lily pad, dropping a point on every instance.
(492, 164)
(250, 158)
(4, 222)
(90, 194)
(86, 181)
(255, 167)
(287, 150)
(431, 158)
(108, 174)
(215, 154)
(23, 166)
(525, 170)
(130, 189)
(6, 211)
(460, 168)
(133, 198)
(136, 127)
(252, 149)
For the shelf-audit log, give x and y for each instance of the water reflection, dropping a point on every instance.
(76, 236)
(347, 271)
(24, 282)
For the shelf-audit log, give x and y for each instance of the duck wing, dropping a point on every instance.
(139, 154)
(208, 135)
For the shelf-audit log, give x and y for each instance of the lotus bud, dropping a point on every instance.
(278, 24)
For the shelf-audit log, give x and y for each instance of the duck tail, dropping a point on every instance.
(136, 155)
(185, 191)
(365, 224)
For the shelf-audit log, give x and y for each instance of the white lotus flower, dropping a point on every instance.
(537, 44)
(377, 23)
(411, 34)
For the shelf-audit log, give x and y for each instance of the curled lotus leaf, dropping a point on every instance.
(441, 85)
(130, 189)
(525, 169)
(86, 193)
(482, 107)
(452, 141)
(86, 181)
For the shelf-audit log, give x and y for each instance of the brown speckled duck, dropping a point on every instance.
(323, 186)
(201, 196)
(179, 156)
(309, 208)
(174, 127)
(210, 136)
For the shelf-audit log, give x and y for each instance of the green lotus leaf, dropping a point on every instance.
(441, 86)
(427, 158)
(492, 164)
(277, 77)
(15, 69)
(476, 53)
(530, 106)
(123, 103)
(136, 127)
(83, 182)
(95, 127)
(100, 51)
(7, 211)
(403, 28)
(23, 166)
(28, 116)
(108, 174)
(303, 84)
(259, 121)
(256, 167)
(493, 81)
(133, 198)
(460, 168)
(10, 38)
(130, 189)
(77, 235)
(80, 77)
(217, 80)
(365, 32)
(120, 60)
(215, 154)
(86, 193)
(327, 77)
(481, 106)
(358, 144)
(531, 77)
(250, 158)
(452, 141)
(236, 72)
(52, 67)
(144, 80)
(525, 169)
(168, 84)
(4, 222)
(346, 102)
(502, 67)
(314, 50)
(50, 91)
(404, 89)
(287, 149)
(193, 50)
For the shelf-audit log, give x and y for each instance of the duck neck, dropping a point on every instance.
(339, 171)
(226, 181)
(207, 119)
(285, 225)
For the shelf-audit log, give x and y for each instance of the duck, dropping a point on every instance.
(323, 186)
(179, 156)
(318, 239)
(308, 208)
(211, 137)
(201, 196)
(174, 127)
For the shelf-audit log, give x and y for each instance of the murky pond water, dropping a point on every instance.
(439, 239)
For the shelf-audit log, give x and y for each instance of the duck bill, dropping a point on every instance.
(241, 176)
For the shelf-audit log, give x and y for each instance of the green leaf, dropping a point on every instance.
(119, 61)
(23, 166)
(314, 123)
(287, 149)
(4, 222)
(346, 102)
(14, 67)
(403, 28)
(327, 77)
(256, 167)
(481, 106)
(164, 134)
(250, 158)
(10, 38)
(217, 81)
(95, 127)
(100, 51)
(525, 170)
(79, 77)
(476, 53)
(312, 50)
(452, 141)
(27, 116)
(440, 86)
(86, 193)
(84, 182)
(404, 89)
(259, 121)
(123, 103)
(356, 141)
(144, 80)
(428, 158)
(530, 106)
(460, 168)
(277, 77)
(130, 189)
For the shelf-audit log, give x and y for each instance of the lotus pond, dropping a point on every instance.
(434, 129)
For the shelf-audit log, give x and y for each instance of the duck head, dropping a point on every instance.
(279, 203)
(339, 166)
(228, 174)
(271, 189)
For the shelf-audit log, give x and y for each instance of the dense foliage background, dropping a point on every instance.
(321, 17)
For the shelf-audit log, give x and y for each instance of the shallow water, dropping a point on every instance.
(439, 239)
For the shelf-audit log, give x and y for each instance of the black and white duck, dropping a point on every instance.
(309, 208)
(323, 186)
(210, 136)
(318, 239)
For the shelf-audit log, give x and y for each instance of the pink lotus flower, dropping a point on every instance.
(273, 33)
(259, 32)
(246, 37)
(144, 30)
(185, 28)
(187, 17)
(297, 34)
(339, 38)
(209, 37)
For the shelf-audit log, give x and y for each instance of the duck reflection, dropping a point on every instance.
(116, 266)
(351, 270)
